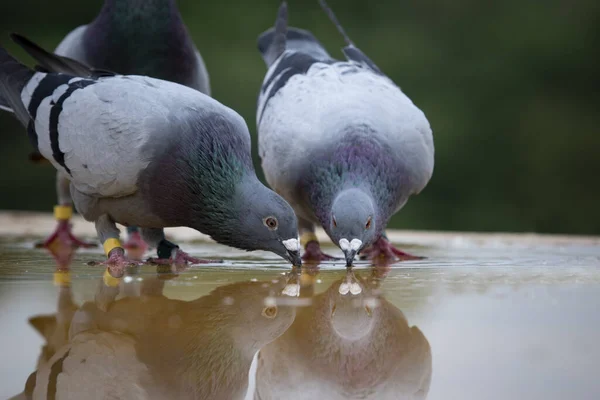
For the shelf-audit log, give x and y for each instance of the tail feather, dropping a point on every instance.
(13, 78)
(50, 62)
(335, 21)
(4, 105)
(272, 43)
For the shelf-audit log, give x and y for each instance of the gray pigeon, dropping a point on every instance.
(150, 153)
(152, 347)
(130, 37)
(346, 344)
(339, 140)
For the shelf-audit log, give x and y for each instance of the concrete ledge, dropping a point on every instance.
(36, 224)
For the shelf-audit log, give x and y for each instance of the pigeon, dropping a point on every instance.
(346, 345)
(130, 37)
(154, 347)
(338, 140)
(150, 153)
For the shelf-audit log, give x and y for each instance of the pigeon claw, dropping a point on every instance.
(117, 263)
(180, 258)
(383, 251)
(313, 253)
(135, 246)
(63, 237)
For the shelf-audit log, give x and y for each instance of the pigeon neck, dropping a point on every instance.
(136, 7)
(145, 14)
(141, 37)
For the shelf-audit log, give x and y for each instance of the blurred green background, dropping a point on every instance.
(511, 89)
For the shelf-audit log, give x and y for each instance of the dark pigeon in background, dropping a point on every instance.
(130, 37)
(150, 153)
(339, 140)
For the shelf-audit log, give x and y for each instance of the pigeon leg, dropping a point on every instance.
(168, 253)
(135, 245)
(308, 240)
(383, 250)
(117, 263)
(62, 235)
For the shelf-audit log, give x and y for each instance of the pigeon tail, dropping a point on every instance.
(4, 105)
(51, 62)
(272, 43)
(297, 39)
(351, 52)
(13, 78)
(336, 22)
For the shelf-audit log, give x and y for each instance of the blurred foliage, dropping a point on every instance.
(511, 89)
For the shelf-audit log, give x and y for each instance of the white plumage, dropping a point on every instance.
(311, 111)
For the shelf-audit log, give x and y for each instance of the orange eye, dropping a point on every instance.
(368, 225)
(271, 223)
(334, 222)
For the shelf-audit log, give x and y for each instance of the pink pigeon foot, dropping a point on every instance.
(117, 263)
(313, 253)
(63, 237)
(383, 250)
(181, 258)
(135, 245)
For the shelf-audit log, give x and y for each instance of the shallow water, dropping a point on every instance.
(477, 319)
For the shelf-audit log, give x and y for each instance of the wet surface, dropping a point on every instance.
(480, 318)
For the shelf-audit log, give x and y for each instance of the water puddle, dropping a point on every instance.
(488, 318)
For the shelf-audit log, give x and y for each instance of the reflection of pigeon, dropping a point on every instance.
(339, 140)
(130, 38)
(150, 153)
(346, 346)
(152, 347)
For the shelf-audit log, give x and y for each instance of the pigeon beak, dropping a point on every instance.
(349, 254)
(350, 248)
(294, 257)
(292, 247)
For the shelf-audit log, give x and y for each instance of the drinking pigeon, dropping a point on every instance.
(339, 140)
(130, 37)
(150, 153)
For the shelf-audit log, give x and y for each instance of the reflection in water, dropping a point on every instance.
(347, 342)
(346, 346)
(153, 347)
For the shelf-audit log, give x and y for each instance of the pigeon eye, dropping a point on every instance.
(269, 312)
(334, 222)
(271, 223)
(368, 224)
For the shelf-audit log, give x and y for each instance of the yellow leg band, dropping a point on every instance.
(63, 213)
(110, 280)
(308, 237)
(110, 244)
(62, 278)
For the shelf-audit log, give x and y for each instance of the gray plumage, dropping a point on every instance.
(347, 346)
(150, 153)
(338, 139)
(141, 37)
(152, 347)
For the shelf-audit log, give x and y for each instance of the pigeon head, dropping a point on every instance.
(267, 222)
(206, 180)
(353, 221)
